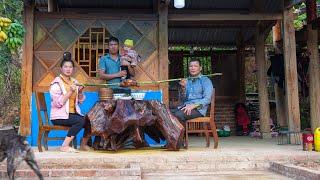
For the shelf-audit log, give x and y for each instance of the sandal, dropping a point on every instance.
(69, 150)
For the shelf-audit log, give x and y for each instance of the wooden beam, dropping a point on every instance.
(262, 84)
(291, 77)
(314, 65)
(105, 16)
(279, 94)
(223, 17)
(213, 24)
(107, 11)
(163, 50)
(52, 5)
(209, 11)
(26, 74)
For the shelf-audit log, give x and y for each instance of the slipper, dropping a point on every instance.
(69, 150)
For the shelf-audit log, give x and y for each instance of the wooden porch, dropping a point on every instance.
(59, 26)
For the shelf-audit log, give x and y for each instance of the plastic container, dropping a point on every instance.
(307, 141)
(317, 139)
(222, 133)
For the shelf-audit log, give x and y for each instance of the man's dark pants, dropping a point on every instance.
(183, 117)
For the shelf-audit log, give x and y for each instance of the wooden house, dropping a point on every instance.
(83, 28)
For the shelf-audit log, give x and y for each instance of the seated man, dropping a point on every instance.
(198, 92)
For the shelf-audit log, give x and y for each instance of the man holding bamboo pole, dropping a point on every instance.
(198, 92)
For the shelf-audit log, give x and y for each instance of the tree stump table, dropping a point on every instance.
(122, 123)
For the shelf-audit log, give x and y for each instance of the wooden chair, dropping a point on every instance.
(44, 126)
(201, 125)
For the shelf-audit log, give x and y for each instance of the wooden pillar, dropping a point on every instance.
(52, 6)
(291, 77)
(163, 49)
(279, 93)
(262, 84)
(314, 65)
(241, 67)
(26, 74)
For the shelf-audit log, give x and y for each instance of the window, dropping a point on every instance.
(89, 48)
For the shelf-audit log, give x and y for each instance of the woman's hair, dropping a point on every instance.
(66, 58)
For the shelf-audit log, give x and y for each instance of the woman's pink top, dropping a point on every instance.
(60, 110)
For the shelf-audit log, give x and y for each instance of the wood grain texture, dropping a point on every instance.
(26, 73)
(262, 84)
(291, 77)
(163, 50)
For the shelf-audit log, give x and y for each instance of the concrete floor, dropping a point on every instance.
(233, 145)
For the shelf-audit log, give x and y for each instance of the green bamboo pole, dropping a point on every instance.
(151, 82)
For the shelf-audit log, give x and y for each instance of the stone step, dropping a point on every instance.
(127, 169)
(155, 165)
(135, 174)
(210, 161)
(131, 172)
(212, 175)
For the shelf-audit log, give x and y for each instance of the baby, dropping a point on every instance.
(128, 54)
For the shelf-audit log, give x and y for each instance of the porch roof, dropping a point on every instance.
(219, 24)
(245, 6)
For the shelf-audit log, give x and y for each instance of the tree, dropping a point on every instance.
(10, 68)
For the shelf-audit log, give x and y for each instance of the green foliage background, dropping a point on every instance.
(10, 69)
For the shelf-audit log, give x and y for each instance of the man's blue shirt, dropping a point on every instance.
(110, 66)
(199, 91)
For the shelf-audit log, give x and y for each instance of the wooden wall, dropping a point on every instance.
(53, 35)
(227, 84)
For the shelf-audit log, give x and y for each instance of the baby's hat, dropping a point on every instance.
(128, 42)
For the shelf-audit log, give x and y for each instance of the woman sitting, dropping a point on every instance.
(65, 99)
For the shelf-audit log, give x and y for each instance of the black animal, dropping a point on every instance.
(16, 149)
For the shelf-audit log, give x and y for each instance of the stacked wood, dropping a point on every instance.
(123, 123)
